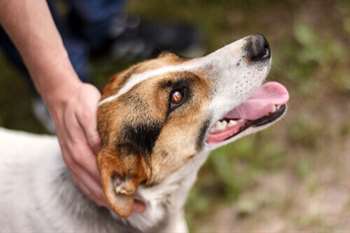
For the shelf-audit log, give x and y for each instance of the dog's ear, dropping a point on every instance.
(169, 55)
(121, 175)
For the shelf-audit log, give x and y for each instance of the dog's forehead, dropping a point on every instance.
(137, 78)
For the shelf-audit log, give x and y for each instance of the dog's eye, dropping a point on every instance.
(176, 98)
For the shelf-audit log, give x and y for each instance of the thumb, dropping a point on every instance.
(87, 116)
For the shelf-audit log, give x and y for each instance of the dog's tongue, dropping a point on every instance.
(261, 103)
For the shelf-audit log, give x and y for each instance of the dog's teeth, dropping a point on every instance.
(221, 126)
(232, 123)
(212, 130)
(217, 124)
(274, 108)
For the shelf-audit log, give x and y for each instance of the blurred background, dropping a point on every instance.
(291, 177)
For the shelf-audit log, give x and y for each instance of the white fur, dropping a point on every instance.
(37, 194)
(138, 78)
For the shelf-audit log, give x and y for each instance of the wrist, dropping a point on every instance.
(59, 99)
(61, 92)
(52, 73)
(56, 80)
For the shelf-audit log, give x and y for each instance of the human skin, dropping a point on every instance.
(71, 103)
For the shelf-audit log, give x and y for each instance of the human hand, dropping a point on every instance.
(72, 104)
(73, 109)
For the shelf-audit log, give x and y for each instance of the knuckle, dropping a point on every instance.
(72, 165)
(87, 114)
(86, 117)
(93, 138)
(77, 156)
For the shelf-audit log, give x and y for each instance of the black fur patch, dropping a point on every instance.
(201, 135)
(177, 84)
(139, 138)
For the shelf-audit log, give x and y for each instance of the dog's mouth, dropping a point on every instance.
(266, 105)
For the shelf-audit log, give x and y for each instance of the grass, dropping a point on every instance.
(310, 54)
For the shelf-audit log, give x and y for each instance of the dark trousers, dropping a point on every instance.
(85, 26)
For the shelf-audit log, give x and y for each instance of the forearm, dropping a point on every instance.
(31, 27)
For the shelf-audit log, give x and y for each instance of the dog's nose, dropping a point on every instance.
(258, 49)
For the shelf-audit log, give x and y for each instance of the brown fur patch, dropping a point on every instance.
(143, 140)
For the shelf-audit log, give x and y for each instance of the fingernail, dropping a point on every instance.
(139, 207)
(101, 204)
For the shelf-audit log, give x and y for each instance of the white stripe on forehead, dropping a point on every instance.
(138, 78)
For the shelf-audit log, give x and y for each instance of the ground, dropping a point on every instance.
(291, 177)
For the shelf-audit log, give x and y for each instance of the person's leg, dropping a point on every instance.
(76, 48)
(93, 19)
(108, 30)
(78, 53)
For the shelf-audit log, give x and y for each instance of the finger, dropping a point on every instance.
(78, 147)
(87, 115)
(74, 153)
(88, 194)
(88, 123)
(88, 185)
(139, 207)
(99, 201)
(84, 160)
(71, 126)
(84, 183)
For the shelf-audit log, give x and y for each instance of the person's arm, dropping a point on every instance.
(71, 103)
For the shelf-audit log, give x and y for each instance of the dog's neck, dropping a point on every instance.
(164, 202)
(71, 209)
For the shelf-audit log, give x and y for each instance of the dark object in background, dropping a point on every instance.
(134, 38)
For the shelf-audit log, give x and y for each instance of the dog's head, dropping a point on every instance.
(158, 116)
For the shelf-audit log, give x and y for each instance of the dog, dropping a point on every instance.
(158, 121)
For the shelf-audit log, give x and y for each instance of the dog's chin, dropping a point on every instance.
(153, 214)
